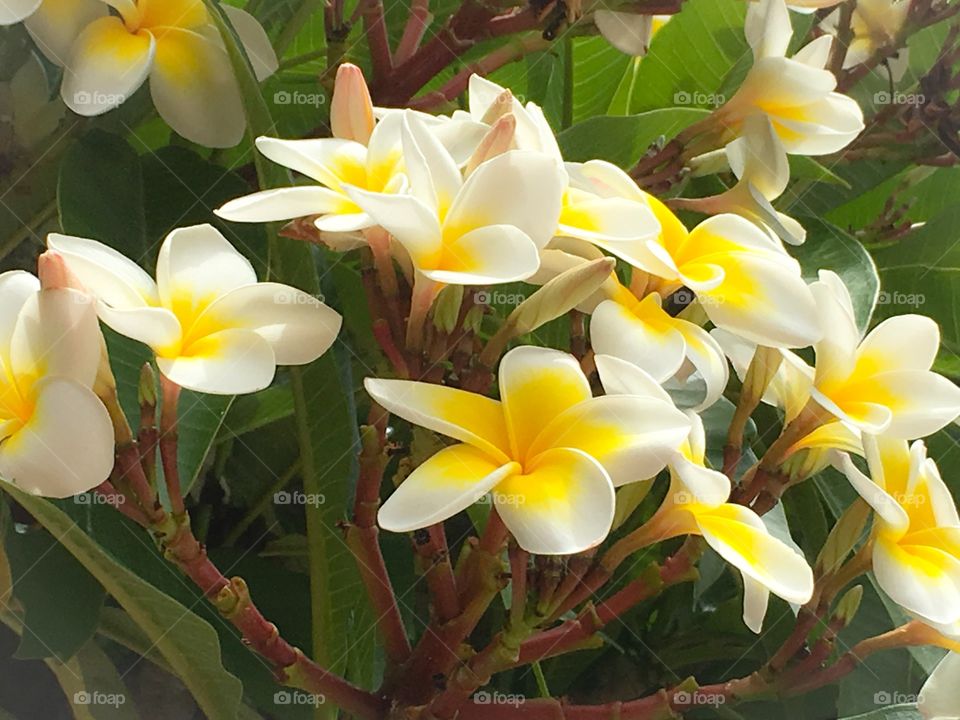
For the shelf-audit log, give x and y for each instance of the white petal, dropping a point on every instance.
(517, 188)
(405, 217)
(486, 255)
(57, 23)
(756, 600)
(758, 157)
(231, 362)
(281, 204)
(564, 504)
(658, 349)
(830, 124)
(344, 222)
(298, 327)
(16, 287)
(434, 176)
(14, 11)
(195, 90)
(67, 446)
(620, 377)
(938, 699)
(908, 342)
(255, 41)
(450, 481)
(921, 402)
(926, 584)
(156, 327)
(106, 66)
(816, 52)
(105, 273)
(768, 28)
(198, 262)
(707, 358)
(885, 506)
(315, 158)
(629, 33)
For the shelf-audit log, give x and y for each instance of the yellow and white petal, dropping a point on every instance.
(174, 13)
(832, 436)
(707, 358)
(16, 287)
(461, 415)
(920, 402)
(105, 273)
(620, 377)
(518, 188)
(938, 699)
(564, 504)
(486, 255)
(657, 348)
(634, 438)
(298, 327)
(693, 483)
(741, 538)
(537, 384)
(758, 157)
(413, 224)
(106, 66)
(780, 87)
(57, 334)
(230, 362)
(450, 481)
(66, 447)
(768, 28)
(629, 33)
(756, 600)
(907, 342)
(153, 326)
(195, 90)
(434, 176)
(945, 510)
(829, 124)
(196, 265)
(344, 222)
(57, 23)
(923, 580)
(322, 159)
(14, 11)
(281, 204)
(886, 507)
(255, 41)
(620, 226)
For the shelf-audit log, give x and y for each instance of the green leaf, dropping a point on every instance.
(624, 139)
(803, 167)
(44, 573)
(189, 644)
(93, 686)
(597, 70)
(894, 712)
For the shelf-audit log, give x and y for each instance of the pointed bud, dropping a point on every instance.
(843, 538)
(849, 605)
(147, 388)
(497, 141)
(446, 309)
(351, 110)
(502, 105)
(54, 274)
(763, 367)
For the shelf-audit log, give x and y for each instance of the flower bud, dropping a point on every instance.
(497, 141)
(351, 110)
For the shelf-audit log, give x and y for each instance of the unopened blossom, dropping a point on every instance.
(213, 327)
(629, 33)
(488, 228)
(489, 101)
(175, 44)
(881, 383)
(696, 504)
(56, 438)
(938, 699)
(796, 94)
(548, 451)
(916, 531)
(351, 109)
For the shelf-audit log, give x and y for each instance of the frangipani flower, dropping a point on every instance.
(629, 33)
(916, 531)
(875, 25)
(696, 504)
(745, 281)
(795, 93)
(56, 438)
(881, 383)
(938, 699)
(760, 163)
(53, 24)
(489, 101)
(213, 327)
(548, 451)
(176, 45)
(487, 229)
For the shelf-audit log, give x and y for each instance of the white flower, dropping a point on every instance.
(938, 699)
(629, 33)
(213, 327)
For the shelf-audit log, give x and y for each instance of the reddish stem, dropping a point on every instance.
(168, 444)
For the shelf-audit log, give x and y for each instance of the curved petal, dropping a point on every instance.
(318, 159)
(57, 334)
(620, 377)
(518, 188)
(886, 507)
(487, 255)
(564, 504)
(629, 33)
(405, 217)
(768, 28)
(741, 538)
(107, 65)
(830, 124)
(632, 437)
(708, 360)
(255, 41)
(465, 416)
(66, 447)
(938, 699)
(536, 384)
(16, 287)
(450, 481)
(195, 90)
(197, 264)
(657, 348)
(608, 221)
(298, 327)
(434, 176)
(920, 402)
(756, 600)
(281, 204)
(230, 362)
(156, 327)
(14, 11)
(105, 273)
(57, 23)
(905, 342)
(347, 222)
(921, 579)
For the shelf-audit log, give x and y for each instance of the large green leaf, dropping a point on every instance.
(189, 644)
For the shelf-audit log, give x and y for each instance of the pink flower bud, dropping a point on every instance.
(351, 112)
